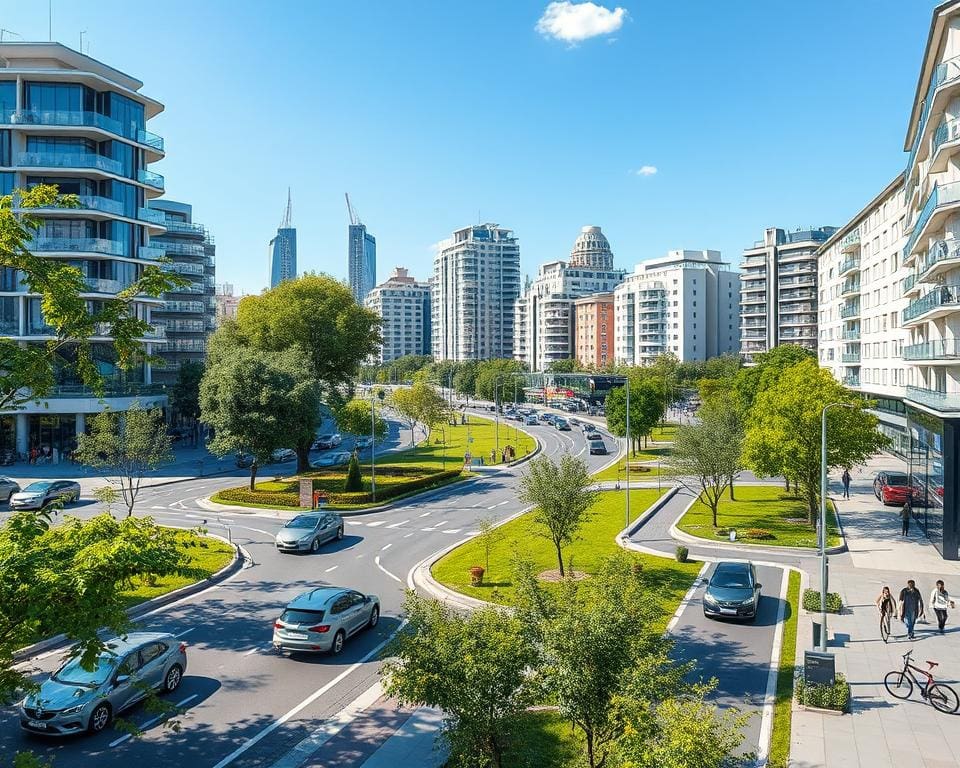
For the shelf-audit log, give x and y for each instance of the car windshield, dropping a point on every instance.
(302, 521)
(326, 437)
(295, 616)
(72, 673)
(37, 487)
(896, 480)
(731, 579)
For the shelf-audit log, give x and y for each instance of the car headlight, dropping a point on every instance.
(73, 710)
(709, 599)
(750, 600)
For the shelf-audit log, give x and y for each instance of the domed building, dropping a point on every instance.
(544, 314)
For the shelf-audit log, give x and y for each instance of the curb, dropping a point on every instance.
(148, 606)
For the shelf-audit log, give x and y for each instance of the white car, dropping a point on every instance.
(282, 455)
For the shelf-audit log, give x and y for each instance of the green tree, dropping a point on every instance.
(767, 370)
(783, 431)
(354, 480)
(501, 374)
(318, 316)
(185, 395)
(127, 445)
(562, 495)
(69, 579)
(354, 417)
(465, 379)
(28, 372)
(254, 401)
(710, 451)
(421, 405)
(488, 533)
(476, 668)
(646, 406)
(570, 365)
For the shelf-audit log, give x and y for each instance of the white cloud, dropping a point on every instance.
(573, 22)
(646, 170)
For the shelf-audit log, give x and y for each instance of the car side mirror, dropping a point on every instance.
(120, 680)
(757, 585)
(366, 598)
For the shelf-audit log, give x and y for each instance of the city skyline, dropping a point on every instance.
(639, 181)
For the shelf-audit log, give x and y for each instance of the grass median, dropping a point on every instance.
(783, 703)
(761, 514)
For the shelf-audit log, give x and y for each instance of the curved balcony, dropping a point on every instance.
(849, 265)
(184, 268)
(78, 119)
(150, 253)
(151, 179)
(945, 74)
(943, 197)
(152, 216)
(941, 301)
(851, 242)
(183, 227)
(180, 249)
(850, 310)
(942, 256)
(78, 245)
(850, 288)
(102, 285)
(910, 285)
(947, 132)
(76, 160)
(944, 402)
(946, 350)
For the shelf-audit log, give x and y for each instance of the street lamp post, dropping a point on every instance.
(373, 442)
(823, 520)
(627, 465)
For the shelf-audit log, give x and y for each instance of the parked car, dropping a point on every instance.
(282, 455)
(363, 443)
(598, 448)
(546, 417)
(531, 421)
(562, 425)
(74, 699)
(325, 442)
(8, 487)
(307, 532)
(43, 492)
(733, 592)
(323, 618)
(332, 460)
(592, 434)
(244, 460)
(892, 487)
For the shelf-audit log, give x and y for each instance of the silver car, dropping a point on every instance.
(43, 492)
(8, 487)
(307, 532)
(74, 699)
(322, 619)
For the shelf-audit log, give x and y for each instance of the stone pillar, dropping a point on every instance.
(81, 425)
(23, 432)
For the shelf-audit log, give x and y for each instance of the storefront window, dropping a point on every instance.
(52, 437)
(926, 474)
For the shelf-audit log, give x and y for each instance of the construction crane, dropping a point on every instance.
(354, 216)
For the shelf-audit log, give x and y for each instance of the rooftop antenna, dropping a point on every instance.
(7, 32)
(351, 211)
(82, 33)
(50, 20)
(288, 214)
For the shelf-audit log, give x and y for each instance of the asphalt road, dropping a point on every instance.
(244, 705)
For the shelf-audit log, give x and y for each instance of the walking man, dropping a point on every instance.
(940, 601)
(845, 479)
(911, 606)
(905, 514)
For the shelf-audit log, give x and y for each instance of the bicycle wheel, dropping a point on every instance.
(898, 684)
(943, 698)
(885, 626)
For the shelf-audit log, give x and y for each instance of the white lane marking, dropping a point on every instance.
(493, 507)
(257, 530)
(451, 502)
(155, 507)
(375, 523)
(252, 650)
(453, 530)
(331, 568)
(330, 728)
(397, 525)
(305, 703)
(477, 506)
(355, 522)
(472, 533)
(377, 561)
(505, 501)
(386, 546)
(151, 721)
(185, 632)
(766, 718)
(428, 529)
(408, 536)
(425, 514)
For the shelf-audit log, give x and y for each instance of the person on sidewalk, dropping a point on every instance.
(940, 601)
(905, 515)
(885, 602)
(911, 606)
(845, 479)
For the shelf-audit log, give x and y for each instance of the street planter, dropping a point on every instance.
(476, 576)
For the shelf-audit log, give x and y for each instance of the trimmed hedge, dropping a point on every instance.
(836, 696)
(272, 498)
(811, 601)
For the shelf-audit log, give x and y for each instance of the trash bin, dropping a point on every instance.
(816, 634)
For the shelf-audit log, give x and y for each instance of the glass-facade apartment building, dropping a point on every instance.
(70, 120)
(361, 261)
(283, 256)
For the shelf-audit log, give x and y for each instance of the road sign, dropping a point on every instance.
(819, 668)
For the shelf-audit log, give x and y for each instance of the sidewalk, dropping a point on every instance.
(880, 732)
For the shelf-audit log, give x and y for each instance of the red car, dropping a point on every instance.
(892, 487)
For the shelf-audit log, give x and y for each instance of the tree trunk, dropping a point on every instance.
(303, 457)
(591, 760)
(253, 476)
(714, 504)
(731, 489)
(559, 557)
(812, 506)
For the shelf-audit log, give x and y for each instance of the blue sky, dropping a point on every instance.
(754, 113)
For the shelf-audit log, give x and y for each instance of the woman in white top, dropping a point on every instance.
(940, 601)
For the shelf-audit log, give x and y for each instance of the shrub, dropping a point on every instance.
(724, 532)
(758, 533)
(476, 575)
(270, 498)
(354, 480)
(836, 696)
(681, 554)
(811, 601)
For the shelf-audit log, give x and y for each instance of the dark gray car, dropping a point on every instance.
(74, 699)
(7, 488)
(733, 592)
(305, 533)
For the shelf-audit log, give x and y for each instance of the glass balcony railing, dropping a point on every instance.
(83, 119)
(184, 268)
(850, 357)
(948, 130)
(851, 334)
(187, 307)
(851, 381)
(101, 285)
(849, 265)
(940, 251)
(942, 296)
(935, 399)
(151, 216)
(180, 249)
(150, 178)
(946, 72)
(78, 244)
(110, 389)
(850, 287)
(944, 349)
(69, 160)
(942, 194)
(851, 310)
(908, 282)
(150, 252)
(150, 139)
(184, 227)
(851, 242)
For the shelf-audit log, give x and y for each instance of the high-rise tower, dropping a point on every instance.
(283, 249)
(361, 256)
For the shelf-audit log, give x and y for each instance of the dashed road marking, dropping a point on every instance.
(375, 523)
(425, 514)
(386, 546)
(331, 568)
(151, 721)
(185, 632)
(397, 525)
(453, 530)
(377, 561)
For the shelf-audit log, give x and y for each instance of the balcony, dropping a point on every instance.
(942, 256)
(100, 285)
(186, 307)
(851, 242)
(184, 227)
(78, 119)
(908, 284)
(110, 389)
(69, 160)
(757, 287)
(947, 132)
(150, 252)
(850, 310)
(180, 249)
(850, 357)
(850, 287)
(183, 268)
(805, 280)
(944, 349)
(151, 216)
(78, 245)
(851, 380)
(938, 302)
(183, 326)
(851, 334)
(945, 402)
(150, 178)
(849, 265)
(940, 197)
(946, 72)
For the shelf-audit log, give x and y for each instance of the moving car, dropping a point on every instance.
(43, 492)
(307, 532)
(325, 442)
(598, 447)
(363, 443)
(332, 460)
(281, 455)
(592, 434)
(531, 421)
(8, 487)
(892, 487)
(323, 618)
(562, 425)
(733, 592)
(73, 699)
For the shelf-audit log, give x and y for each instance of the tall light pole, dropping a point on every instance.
(823, 520)
(627, 465)
(373, 442)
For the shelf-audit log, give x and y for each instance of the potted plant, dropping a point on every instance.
(476, 576)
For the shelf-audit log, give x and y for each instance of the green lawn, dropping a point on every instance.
(763, 507)
(596, 542)
(783, 704)
(548, 741)
(617, 471)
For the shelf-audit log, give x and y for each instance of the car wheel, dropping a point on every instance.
(337, 642)
(374, 617)
(340, 533)
(100, 718)
(173, 679)
(315, 545)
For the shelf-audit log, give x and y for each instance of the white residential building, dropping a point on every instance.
(687, 303)
(476, 280)
(545, 315)
(403, 305)
(778, 290)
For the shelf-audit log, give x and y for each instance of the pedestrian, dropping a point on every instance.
(905, 514)
(911, 606)
(845, 479)
(885, 602)
(940, 601)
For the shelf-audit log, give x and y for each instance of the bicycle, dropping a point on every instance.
(885, 617)
(900, 685)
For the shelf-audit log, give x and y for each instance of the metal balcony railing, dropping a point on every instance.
(943, 349)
